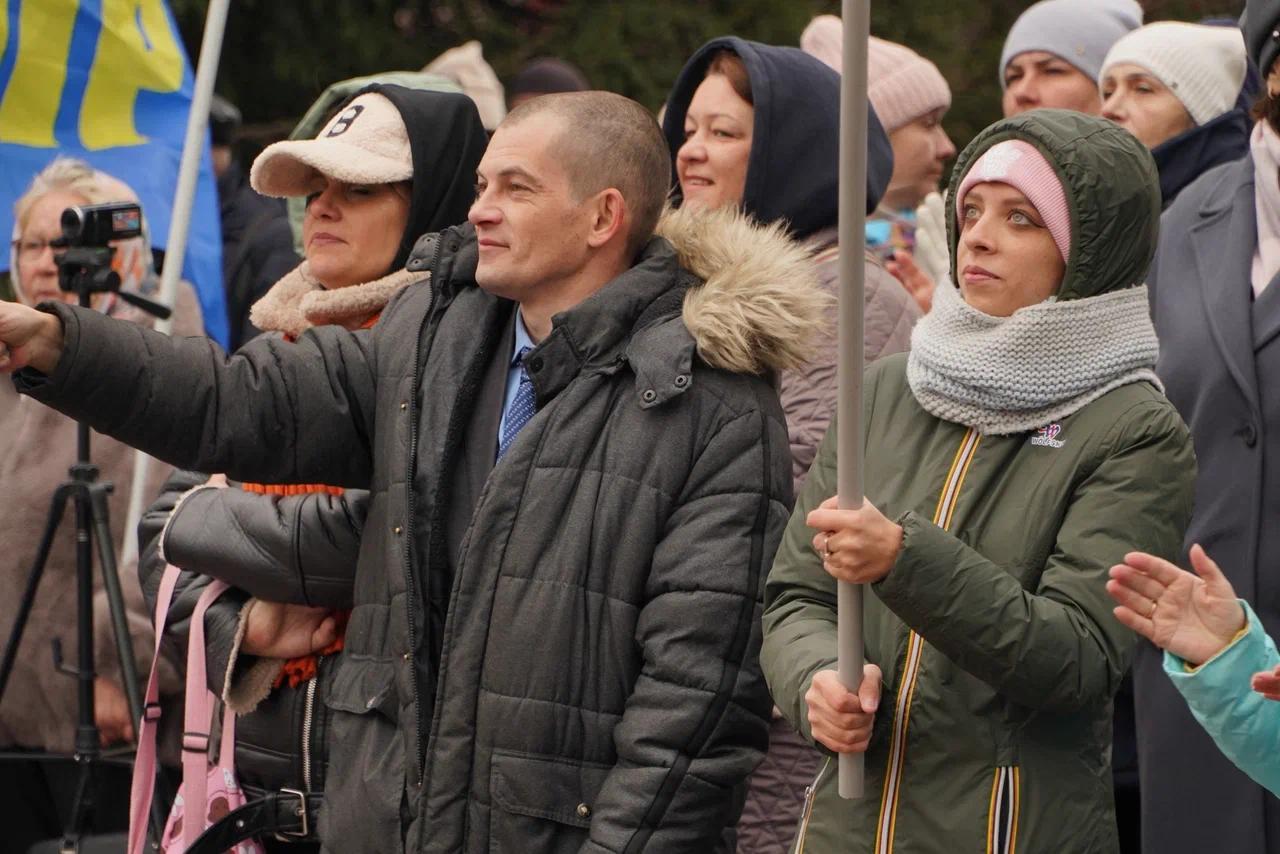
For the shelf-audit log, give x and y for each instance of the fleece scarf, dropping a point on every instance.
(1005, 375)
(298, 301)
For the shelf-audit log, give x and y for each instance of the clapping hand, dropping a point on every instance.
(1192, 616)
(1267, 683)
(903, 267)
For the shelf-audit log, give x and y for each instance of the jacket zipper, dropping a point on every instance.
(308, 718)
(810, 793)
(411, 591)
(942, 517)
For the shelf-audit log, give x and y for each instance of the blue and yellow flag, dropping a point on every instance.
(109, 82)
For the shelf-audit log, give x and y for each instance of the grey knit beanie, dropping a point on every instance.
(1261, 25)
(1079, 31)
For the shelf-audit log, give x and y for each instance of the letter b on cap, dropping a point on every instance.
(343, 123)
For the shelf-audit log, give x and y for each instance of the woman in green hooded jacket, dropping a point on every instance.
(1020, 449)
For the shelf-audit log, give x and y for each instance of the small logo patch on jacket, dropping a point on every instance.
(1047, 437)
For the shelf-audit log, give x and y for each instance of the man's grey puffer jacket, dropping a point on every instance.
(583, 674)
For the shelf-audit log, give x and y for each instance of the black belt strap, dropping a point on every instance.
(289, 813)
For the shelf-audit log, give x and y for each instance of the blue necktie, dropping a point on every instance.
(523, 405)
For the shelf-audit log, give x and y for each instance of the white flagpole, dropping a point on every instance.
(856, 15)
(179, 224)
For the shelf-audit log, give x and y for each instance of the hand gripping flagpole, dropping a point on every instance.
(215, 24)
(856, 15)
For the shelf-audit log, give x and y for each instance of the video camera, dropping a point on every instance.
(85, 253)
(97, 225)
(84, 256)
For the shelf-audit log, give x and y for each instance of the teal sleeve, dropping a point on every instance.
(1244, 724)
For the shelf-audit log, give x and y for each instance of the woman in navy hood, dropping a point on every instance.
(757, 128)
(793, 173)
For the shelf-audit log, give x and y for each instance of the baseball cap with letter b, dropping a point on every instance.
(365, 143)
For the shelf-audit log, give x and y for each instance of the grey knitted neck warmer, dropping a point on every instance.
(1003, 375)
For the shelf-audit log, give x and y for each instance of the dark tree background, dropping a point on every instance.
(279, 56)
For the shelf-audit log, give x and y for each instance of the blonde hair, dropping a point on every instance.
(132, 259)
(67, 174)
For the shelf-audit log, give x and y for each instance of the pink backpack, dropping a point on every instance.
(209, 788)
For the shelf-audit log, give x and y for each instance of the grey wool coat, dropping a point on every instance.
(582, 674)
(1219, 360)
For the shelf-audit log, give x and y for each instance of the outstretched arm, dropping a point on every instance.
(1214, 647)
(1244, 724)
(274, 412)
(29, 339)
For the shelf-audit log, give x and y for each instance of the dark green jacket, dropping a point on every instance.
(993, 629)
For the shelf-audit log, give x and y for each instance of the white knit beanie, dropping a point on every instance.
(1079, 31)
(1203, 66)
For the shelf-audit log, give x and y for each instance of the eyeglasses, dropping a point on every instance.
(31, 249)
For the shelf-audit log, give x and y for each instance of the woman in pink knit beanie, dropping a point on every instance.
(910, 96)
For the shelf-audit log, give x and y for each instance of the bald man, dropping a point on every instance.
(579, 472)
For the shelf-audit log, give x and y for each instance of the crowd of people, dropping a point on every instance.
(521, 476)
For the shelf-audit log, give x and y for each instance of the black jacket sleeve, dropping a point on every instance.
(222, 617)
(276, 412)
(300, 549)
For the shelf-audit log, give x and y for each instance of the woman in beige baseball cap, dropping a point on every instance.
(393, 164)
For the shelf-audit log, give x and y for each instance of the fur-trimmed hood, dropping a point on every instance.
(759, 301)
(711, 285)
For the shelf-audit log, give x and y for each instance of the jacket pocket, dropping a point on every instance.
(542, 803)
(365, 778)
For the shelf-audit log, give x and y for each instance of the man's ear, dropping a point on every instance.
(608, 217)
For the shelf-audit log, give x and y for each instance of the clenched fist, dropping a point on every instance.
(838, 718)
(28, 338)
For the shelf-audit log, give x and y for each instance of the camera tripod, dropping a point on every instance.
(85, 270)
